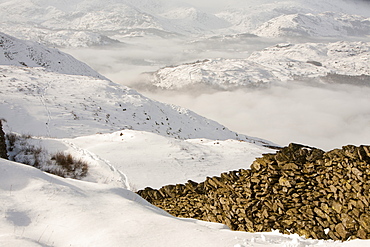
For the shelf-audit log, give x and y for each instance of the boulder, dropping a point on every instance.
(3, 152)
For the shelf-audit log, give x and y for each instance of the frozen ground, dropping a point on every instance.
(44, 210)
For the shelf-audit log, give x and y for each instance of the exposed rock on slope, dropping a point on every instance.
(299, 189)
(23, 53)
(3, 153)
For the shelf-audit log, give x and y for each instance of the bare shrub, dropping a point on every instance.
(64, 165)
(69, 166)
(26, 136)
(11, 139)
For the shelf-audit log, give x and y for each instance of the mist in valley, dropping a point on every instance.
(315, 113)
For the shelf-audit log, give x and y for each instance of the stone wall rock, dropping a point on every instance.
(303, 190)
(3, 153)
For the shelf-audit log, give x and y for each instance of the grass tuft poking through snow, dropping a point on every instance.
(70, 167)
(21, 149)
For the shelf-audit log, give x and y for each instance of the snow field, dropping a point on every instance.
(44, 210)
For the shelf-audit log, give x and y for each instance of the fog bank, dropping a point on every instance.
(326, 117)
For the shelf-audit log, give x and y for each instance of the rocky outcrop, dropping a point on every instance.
(303, 190)
(3, 153)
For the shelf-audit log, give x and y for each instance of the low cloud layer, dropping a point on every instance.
(325, 116)
(322, 116)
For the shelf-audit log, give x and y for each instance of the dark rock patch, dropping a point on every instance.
(3, 152)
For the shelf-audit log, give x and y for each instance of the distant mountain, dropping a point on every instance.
(326, 24)
(18, 52)
(74, 104)
(252, 15)
(96, 22)
(283, 62)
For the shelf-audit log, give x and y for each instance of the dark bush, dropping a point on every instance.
(21, 150)
(69, 166)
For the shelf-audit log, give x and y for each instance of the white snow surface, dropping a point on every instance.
(58, 105)
(280, 63)
(18, 52)
(151, 160)
(134, 159)
(39, 209)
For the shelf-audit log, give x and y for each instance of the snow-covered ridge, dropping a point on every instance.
(283, 62)
(60, 105)
(22, 53)
(326, 24)
(250, 16)
(98, 22)
(85, 23)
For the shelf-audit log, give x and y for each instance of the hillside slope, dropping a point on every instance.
(70, 104)
(90, 23)
(18, 52)
(60, 105)
(249, 16)
(327, 24)
(283, 62)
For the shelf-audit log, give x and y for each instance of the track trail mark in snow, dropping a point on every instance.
(86, 153)
(42, 93)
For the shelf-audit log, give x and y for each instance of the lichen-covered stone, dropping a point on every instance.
(303, 190)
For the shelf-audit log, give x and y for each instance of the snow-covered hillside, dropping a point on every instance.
(282, 62)
(97, 22)
(134, 159)
(60, 105)
(327, 24)
(44, 210)
(130, 141)
(148, 159)
(18, 52)
(263, 17)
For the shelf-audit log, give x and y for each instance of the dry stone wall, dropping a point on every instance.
(303, 190)
(3, 153)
